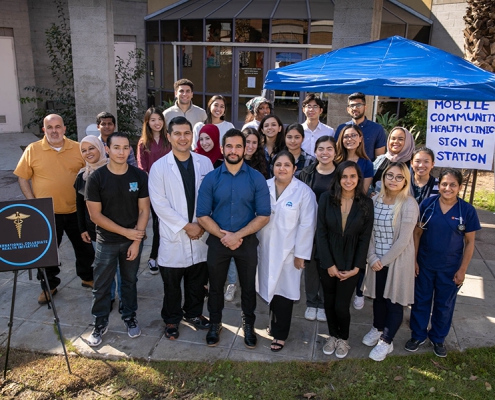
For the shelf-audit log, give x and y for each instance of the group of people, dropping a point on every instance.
(359, 213)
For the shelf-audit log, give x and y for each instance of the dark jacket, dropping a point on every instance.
(348, 249)
(307, 174)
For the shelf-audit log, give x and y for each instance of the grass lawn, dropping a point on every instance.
(484, 199)
(467, 375)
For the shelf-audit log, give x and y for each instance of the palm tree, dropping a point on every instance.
(479, 35)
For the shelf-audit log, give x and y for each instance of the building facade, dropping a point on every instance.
(224, 46)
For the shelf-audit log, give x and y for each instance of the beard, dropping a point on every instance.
(233, 162)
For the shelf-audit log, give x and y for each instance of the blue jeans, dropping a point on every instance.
(114, 286)
(108, 256)
(232, 274)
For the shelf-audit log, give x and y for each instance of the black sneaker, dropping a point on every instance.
(200, 322)
(172, 331)
(439, 350)
(413, 344)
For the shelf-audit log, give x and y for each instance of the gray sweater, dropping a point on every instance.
(400, 259)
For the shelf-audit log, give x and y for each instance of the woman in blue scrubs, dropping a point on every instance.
(444, 241)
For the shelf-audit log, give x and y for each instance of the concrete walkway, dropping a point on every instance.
(473, 325)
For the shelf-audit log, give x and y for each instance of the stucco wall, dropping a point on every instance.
(448, 25)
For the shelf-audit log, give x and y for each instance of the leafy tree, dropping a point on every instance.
(130, 108)
(387, 120)
(60, 99)
(415, 119)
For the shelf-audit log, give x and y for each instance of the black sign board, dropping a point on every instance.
(27, 235)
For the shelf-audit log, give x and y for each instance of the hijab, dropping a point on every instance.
(214, 154)
(103, 160)
(405, 154)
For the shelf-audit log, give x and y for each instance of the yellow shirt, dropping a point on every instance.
(52, 173)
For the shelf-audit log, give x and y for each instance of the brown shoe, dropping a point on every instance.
(42, 298)
(88, 284)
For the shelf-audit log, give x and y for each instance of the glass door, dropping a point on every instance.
(287, 103)
(250, 71)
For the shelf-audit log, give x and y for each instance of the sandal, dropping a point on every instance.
(276, 345)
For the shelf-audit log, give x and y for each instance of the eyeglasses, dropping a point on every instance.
(356, 105)
(352, 136)
(391, 177)
(315, 107)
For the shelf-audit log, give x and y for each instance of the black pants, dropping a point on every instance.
(337, 296)
(156, 235)
(84, 252)
(387, 316)
(172, 310)
(280, 317)
(246, 260)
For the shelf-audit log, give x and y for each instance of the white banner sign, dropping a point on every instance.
(461, 133)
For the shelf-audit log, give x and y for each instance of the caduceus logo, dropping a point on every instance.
(18, 218)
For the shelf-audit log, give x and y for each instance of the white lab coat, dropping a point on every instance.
(169, 202)
(289, 234)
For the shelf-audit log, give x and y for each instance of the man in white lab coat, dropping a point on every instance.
(173, 185)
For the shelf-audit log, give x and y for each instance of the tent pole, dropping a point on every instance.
(375, 107)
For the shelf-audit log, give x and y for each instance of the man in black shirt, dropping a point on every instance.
(118, 203)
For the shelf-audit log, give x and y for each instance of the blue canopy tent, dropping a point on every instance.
(395, 67)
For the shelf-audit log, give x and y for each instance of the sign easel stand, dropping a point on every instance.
(48, 294)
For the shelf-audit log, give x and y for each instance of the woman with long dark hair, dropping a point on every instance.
(318, 176)
(152, 146)
(255, 152)
(350, 146)
(272, 130)
(294, 137)
(345, 222)
(215, 114)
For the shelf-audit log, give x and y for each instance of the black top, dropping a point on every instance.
(428, 190)
(119, 196)
(189, 182)
(345, 249)
(319, 183)
(83, 219)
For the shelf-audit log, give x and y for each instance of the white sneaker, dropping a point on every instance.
(230, 292)
(341, 348)
(329, 346)
(320, 315)
(372, 337)
(358, 302)
(381, 350)
(310, 313)
(94, 338)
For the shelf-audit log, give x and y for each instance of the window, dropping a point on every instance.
(252, 30)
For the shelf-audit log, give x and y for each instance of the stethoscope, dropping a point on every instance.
(461, 227)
